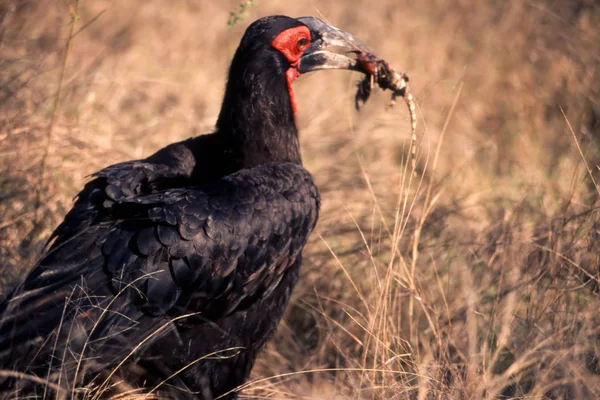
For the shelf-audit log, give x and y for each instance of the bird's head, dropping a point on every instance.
(279, 46)
(258, 110)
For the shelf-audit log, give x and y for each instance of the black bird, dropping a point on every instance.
(173, 271)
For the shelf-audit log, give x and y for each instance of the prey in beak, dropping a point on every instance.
(332, 48)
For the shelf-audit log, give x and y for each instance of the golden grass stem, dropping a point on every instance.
(73, 11)
(28, 377)
(580, 151)
(310, 371)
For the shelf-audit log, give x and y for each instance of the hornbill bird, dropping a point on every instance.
(170, 273)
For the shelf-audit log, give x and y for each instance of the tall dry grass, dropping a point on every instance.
(477, 279)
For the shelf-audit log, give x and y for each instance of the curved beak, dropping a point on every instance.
(331, 48)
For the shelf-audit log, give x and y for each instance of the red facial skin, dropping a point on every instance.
(292, 43)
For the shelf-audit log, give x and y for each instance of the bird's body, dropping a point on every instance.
(173, 271)
(220, 260)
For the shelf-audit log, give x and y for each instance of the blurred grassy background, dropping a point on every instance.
(479, 279)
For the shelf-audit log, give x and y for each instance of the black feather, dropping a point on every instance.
(168, 235)
(147, 241)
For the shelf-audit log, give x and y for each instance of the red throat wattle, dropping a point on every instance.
(291, 45)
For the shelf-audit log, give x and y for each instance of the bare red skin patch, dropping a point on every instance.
(287, 42)
(291, 45)
(291, 74)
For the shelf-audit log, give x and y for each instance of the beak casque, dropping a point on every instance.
(331, 48)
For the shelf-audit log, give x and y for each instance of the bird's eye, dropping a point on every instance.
(302, 43)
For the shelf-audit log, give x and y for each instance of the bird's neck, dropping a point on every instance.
(258, 120)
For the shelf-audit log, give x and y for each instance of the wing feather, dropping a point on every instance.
(198, 249)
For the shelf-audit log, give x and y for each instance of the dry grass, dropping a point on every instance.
(477, 279)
